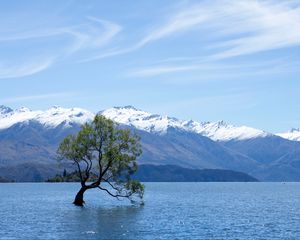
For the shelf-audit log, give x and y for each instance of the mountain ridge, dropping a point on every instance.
(293, 134)
(33, 137)
(129, 115)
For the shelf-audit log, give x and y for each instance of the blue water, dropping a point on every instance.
(171, 211)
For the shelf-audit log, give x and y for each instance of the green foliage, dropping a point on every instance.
(109, 151)
(135, 186)
(71, 177)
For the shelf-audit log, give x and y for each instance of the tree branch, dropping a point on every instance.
(115, 195)
(80, 175)
(91, 164)
(111, 184)
(99, 160)
(87, 172)
(106, 169)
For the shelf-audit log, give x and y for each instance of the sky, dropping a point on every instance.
(237, 61)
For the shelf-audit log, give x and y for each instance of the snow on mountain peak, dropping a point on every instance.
(128, 115)
(128, 107)
(23, 110)
(294, 130)
(5, 110)
(293, 134)
(49, 118)
(140, 119)
(220, 131)
(58, 115)
(55, 107)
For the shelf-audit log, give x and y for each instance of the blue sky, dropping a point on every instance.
(237, 61)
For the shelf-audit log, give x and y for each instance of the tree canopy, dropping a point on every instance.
(101, 147)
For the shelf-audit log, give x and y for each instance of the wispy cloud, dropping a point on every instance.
(158, 70)
(93, 35)
(63, 43)
(48, 96)
(231, 29)
(183, 21)
(242, 27)
(24, 69)
(216, 68)
(227, 29)
(265, 25)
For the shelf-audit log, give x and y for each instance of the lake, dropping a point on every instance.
(171, 211)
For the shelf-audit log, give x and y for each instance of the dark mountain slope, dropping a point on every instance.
(267, 158)
(171, 173)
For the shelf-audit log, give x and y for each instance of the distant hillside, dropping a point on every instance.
(172, 173)
(29, 172)
(3, 180)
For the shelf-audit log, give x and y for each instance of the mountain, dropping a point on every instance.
(5, 110)
(51, 118)
(30, 138)
(172, 173)
(258, 152)
(130, 116)
(169, 173)
(278, 158)
(293, 134)
(187, 149)
(31, 142)
(154, 123)
(29, 172)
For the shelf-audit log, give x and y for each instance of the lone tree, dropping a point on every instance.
(101, 148)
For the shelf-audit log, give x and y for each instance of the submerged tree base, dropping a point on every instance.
(78, 201)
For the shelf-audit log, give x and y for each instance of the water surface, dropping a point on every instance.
(171, 211)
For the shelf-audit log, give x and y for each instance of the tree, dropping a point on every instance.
(104, 149)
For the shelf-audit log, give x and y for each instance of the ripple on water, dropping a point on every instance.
(171, 211)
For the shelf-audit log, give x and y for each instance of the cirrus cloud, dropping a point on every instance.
(61, 43)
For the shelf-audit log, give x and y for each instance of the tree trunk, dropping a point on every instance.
(79, 197)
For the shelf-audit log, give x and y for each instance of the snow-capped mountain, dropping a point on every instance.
(153, 123)
(128, 115)
(293, 134)
(50, 118)
(4, 110)
(141, 120)
(221, 131)
(32, 137)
